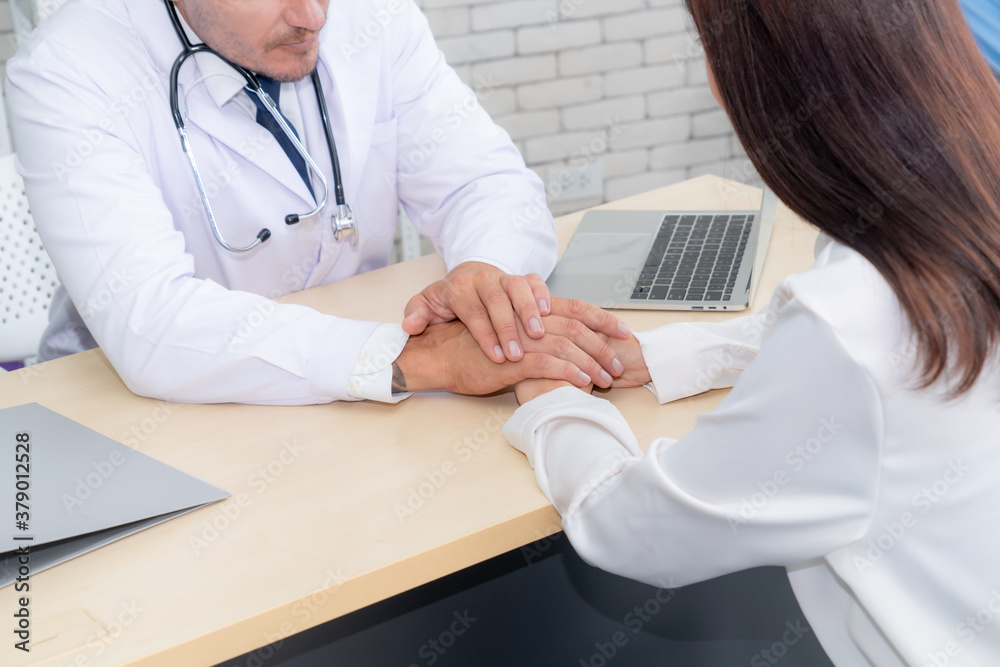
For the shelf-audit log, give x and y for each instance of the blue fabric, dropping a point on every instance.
(984, 21)
(265, 119)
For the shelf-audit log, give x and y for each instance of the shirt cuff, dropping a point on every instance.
(672, 362)
(689, 358)
(564, 402)
(372, 377)
(486, 260)
(573, 440)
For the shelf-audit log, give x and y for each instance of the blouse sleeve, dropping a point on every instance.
(689, 358)
(785, 470)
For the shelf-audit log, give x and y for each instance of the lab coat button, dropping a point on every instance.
(355, 386)
(365, 359)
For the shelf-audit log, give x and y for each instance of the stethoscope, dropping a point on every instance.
(343, 221)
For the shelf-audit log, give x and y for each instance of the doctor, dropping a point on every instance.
(157, 269)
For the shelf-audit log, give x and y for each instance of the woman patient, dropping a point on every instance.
(860, 445)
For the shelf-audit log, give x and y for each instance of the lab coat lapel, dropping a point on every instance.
(359, 73)
(242, 134)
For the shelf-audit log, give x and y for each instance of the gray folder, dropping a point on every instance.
(83, 490)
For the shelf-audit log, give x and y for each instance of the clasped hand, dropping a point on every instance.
(500, 310)
(480, 330)
(447, 356)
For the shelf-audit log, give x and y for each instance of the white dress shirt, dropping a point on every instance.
(881, 500)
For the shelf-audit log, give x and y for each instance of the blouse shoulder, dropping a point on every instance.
(848, 294)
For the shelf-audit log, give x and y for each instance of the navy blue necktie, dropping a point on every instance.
(265, 119)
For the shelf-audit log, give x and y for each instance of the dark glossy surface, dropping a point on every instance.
(541, 605)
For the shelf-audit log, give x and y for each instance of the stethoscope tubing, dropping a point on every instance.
(344, 216)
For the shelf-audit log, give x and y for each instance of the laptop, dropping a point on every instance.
(676, 260)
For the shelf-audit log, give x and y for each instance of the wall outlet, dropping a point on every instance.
(576, 182)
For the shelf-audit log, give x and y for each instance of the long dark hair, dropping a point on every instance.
(879, 122)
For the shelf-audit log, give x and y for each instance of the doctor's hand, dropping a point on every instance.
(446, 356)
(503, 312)
(489, 302)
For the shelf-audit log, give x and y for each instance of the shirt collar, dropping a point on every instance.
(222, 81)
(822, 241)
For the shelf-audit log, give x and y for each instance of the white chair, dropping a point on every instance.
(27, 277)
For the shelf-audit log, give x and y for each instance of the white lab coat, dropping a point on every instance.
(880, 499)
(116, 205)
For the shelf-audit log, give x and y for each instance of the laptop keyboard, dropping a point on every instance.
(694, 258)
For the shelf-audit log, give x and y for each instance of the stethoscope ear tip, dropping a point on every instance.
(264, 235)
(291, 219)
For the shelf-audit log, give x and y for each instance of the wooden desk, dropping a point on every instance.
(334, 507)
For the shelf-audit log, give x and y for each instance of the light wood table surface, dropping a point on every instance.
(315, 528)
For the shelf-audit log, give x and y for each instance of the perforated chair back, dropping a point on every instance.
(27, 277)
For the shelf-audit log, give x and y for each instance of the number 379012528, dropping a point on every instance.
(22, 475)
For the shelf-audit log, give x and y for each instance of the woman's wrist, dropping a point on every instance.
(527, 390)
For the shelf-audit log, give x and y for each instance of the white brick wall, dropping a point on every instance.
(619, 82)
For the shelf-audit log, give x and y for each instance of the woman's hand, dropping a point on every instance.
(629, 353)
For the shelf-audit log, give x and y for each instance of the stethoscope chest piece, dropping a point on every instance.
(344, 225)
